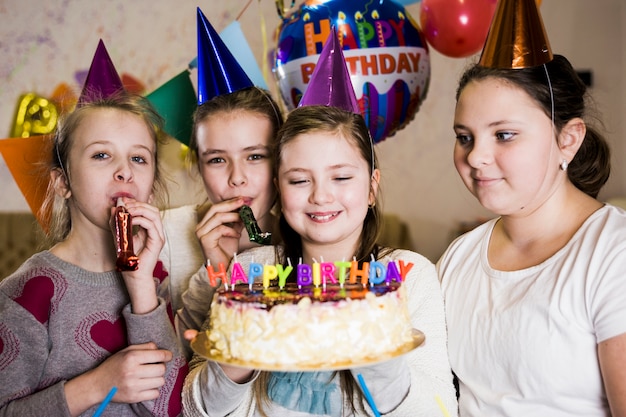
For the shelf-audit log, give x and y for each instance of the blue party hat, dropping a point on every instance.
(218, 71)
(102, 80)
(330, 83)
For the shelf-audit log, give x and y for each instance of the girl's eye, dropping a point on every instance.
(463, 139)
(298, 181)
(505, 136)
(139, 159)
(215, 161)
(256, 157)
(343, 178)
(100, 155)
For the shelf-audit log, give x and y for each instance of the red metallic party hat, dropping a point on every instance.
(330, 83)
(517, 38)
(102, 79)
(218, 71)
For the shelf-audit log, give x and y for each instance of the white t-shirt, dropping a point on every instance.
(524, 343)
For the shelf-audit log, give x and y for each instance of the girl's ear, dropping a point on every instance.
(571, 138)
(375, 180)
(60, 183)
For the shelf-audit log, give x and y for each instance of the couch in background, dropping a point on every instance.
(20, 237)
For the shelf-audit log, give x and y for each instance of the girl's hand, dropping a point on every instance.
(219, 231)
(147, 244)
(137, 371)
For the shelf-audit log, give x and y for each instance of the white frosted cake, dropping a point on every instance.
(309, 327)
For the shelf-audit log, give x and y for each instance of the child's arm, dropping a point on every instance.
(147, 317)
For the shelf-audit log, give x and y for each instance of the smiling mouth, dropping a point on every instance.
(323, 217)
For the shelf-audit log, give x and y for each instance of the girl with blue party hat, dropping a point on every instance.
(234, 130)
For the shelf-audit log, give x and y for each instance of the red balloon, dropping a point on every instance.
(456, 28)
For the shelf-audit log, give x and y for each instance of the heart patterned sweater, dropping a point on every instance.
(58, 321)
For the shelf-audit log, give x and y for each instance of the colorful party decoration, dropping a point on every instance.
(64, 98)
(236, 42)
(35, 115)
(384, 50)
(456, 28)
(176, 101)
(330, 83)
(218, 70)
(517, 37)
(25, 159)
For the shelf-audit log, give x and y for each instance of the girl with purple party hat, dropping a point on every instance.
(76, 322)
(327, 177)
(535, 299)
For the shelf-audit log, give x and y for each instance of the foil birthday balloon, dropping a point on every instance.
(35, 115)
(384, 50)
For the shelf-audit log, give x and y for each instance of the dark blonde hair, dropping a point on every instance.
(60, 221)
(591, 167)
(352, 127)
(252, 99)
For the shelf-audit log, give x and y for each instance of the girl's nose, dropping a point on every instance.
(124, 172)
(480, 154)
(237, 176)
(321, 194)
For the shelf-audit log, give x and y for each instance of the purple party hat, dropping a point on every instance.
(218, 71)
(330, 83)
(102, 79)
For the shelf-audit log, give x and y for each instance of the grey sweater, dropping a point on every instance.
(58, 321)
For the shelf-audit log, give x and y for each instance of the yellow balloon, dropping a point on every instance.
(35, 115)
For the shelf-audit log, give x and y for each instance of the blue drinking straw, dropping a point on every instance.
(368, 396)
(106, 402)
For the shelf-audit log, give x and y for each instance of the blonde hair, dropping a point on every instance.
(60, 219)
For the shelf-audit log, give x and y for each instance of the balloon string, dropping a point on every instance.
(243, 10)
(265, 47)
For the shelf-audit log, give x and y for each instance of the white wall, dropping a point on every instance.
(43, 43)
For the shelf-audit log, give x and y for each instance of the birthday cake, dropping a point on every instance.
(333, 316)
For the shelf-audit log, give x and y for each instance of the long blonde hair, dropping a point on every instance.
(60, 220)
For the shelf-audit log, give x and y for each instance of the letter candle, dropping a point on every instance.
(377, 273)
(256, 270)
(343, 267)
(237, 274)
(283, 273)
(214, 275)
(303, 275)
(392, 273)
(269, 273)
(360, 273)
(126, 258)
(317, 280)
(328, 273)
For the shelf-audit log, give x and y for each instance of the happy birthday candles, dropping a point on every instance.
(317, 274)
